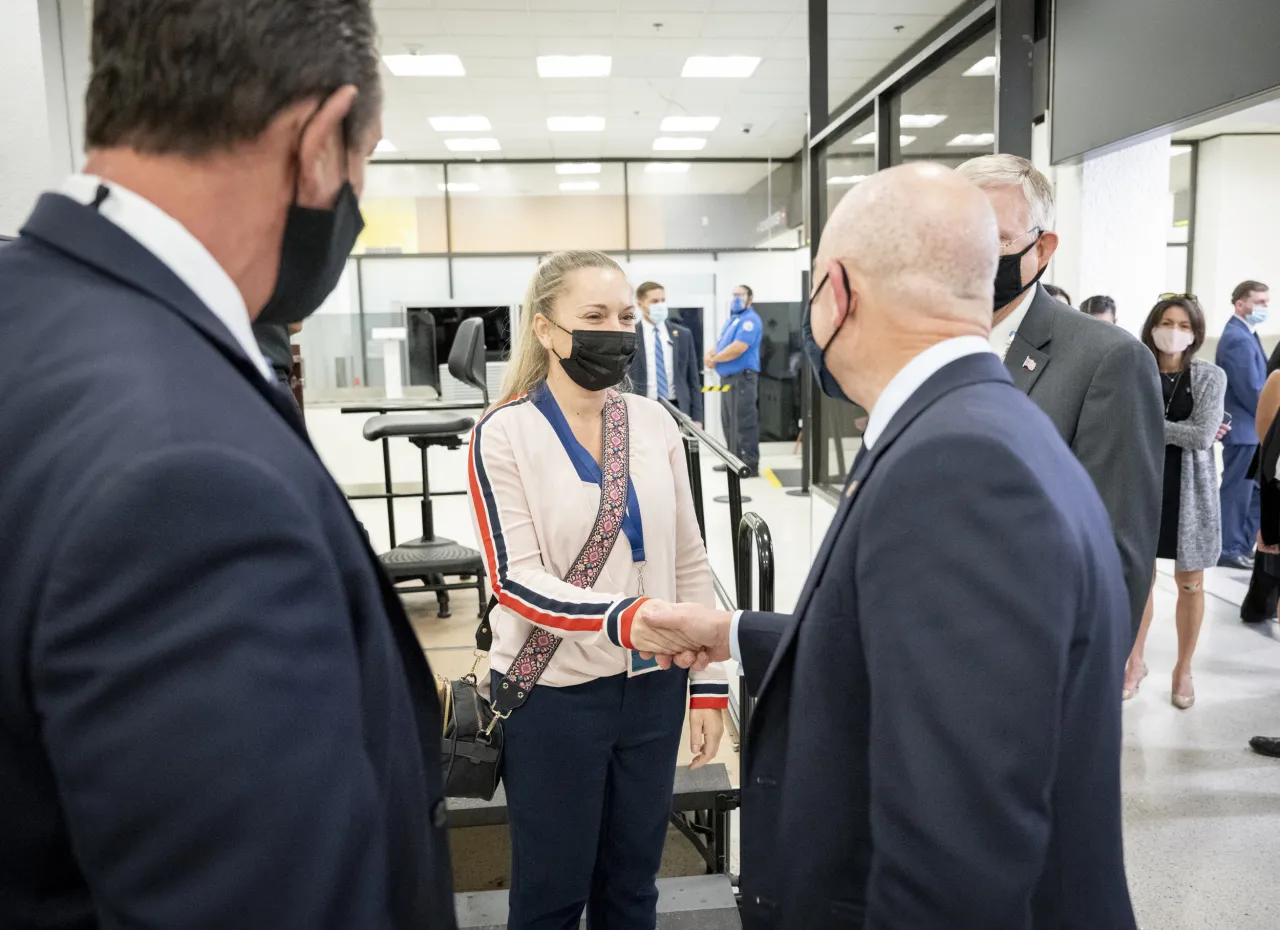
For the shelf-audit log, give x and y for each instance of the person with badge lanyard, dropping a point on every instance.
(582, 504)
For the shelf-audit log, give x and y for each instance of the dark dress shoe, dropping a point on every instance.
(1239, 563)
(1266, 745)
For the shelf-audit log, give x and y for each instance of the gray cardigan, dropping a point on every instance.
(1200, 513)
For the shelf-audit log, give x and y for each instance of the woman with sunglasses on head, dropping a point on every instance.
(582, 502)
(1190, 513)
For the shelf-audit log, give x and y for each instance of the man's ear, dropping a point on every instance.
(841, 290)
(322, 152)
(1047, 245)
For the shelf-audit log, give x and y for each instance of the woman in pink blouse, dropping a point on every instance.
(582, 503)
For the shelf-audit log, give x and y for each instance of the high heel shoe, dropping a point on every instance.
(1127, 694)
(1183, 701)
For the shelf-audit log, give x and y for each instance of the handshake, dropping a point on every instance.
(686, 635)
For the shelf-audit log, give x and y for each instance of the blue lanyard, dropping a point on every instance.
(588, 470)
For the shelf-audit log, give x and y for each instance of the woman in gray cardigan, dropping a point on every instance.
(1190, 515)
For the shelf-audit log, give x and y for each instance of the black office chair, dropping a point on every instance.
(430, 559)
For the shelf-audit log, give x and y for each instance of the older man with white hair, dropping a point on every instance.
(931, 746)
(1098, 384)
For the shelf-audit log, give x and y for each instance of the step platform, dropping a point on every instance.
(702, 902)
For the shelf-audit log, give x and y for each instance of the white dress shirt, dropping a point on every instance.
(650, 362)
(183, 254)
(1002, 334)
(897, 392)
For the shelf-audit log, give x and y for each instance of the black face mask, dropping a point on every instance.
(315, 249)
(599, 359)
(816, 354)
(1009, 286)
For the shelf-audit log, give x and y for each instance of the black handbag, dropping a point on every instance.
(471, 748)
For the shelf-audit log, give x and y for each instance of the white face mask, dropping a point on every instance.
(658, 313)
(1171, 341)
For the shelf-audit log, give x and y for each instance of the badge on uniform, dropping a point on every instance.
(851, 489)
(1029, 364)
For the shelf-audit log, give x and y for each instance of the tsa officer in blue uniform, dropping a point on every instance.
(736, 359)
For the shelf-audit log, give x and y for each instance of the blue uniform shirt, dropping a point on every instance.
(744, 326)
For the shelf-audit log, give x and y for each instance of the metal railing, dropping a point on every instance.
(752, 529)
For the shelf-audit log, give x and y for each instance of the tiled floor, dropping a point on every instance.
(1202, 812)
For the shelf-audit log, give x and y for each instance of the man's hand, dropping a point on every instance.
(709, 360)
(1263, 547)
(660, 642)
(1222, 431)
(703, 633)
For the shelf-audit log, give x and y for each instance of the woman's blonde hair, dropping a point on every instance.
(529, 361)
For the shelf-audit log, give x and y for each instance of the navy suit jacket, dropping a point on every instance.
(937, 737)
(686, 366)
(1241, 356)
(213, 710)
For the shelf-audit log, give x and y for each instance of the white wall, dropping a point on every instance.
(25, 165)
(1237, 222)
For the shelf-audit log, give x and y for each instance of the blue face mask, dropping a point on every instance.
(816, 354)
(738, 304)
(658, 314)
(1258, 316)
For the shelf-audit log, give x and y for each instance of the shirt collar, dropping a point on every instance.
(180, 251)
(1003, 333)
(914, 374)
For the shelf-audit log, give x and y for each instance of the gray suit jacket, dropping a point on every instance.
(1101, 389)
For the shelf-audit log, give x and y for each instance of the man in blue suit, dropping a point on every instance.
(666, 362)
(936, 741)
(213, 710)
(1241, 356)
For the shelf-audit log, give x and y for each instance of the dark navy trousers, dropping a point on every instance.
(589, 772)
(1241, 502)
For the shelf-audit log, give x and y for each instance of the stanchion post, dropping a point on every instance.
(693, 453)
(735, 519)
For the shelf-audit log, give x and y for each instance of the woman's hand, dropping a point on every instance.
(705, 729)
(1263, 547)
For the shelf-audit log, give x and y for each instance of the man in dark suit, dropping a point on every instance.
(1098, 384)
(213, 710)
(666, 362)
(1241, 356)
(936, 741)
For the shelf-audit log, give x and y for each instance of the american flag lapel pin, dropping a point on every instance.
(1029, 364)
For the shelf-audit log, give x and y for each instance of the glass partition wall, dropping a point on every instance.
(468, 236)
(940, 106)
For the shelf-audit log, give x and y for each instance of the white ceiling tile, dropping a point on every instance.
(575, 24)
(572, 44)
(745, 25)
(879, 27)
(674, 25)
(765, 6)
(479, 23)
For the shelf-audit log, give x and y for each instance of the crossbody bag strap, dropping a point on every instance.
(615, 475)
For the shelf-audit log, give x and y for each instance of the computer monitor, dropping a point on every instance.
(426, 356)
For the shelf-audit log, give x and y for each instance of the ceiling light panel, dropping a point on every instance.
(667, 167)
(921, 120)
(690, 123)
(727, 66)
(575, 123)
(460, 123)
(472, 145)
(579, 185)
(678, 144)
(581, 167)
(984, 68)
(971, 139)
(870, 139)
(846, 179)
(574, 66)
(459, 187)
(424, 65)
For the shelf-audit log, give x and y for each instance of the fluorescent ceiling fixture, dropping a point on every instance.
(460, 123)
(678, 144)
(472, 145)
(729, 66)
(425, 65)
(870, 139)
(690, 123)
(459, 187)
(849, 179)
(666, 167)
(984, 68)
(579, 185)
(385, 146)
(575, 123)
(921, 120)
(974, 138)
(582, 167)
(569, 66)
